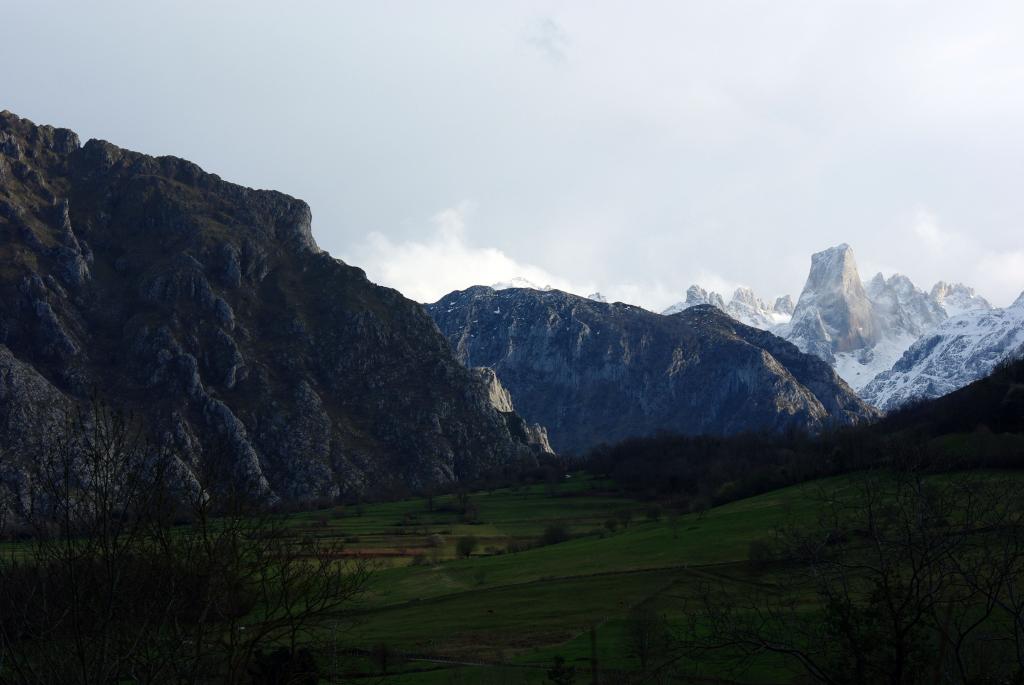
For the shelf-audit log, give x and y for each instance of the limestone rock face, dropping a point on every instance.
(497, 395)
(208, 308)
(534, 434)
(594, 372)
(833, 313)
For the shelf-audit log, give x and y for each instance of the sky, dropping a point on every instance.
(630, 148)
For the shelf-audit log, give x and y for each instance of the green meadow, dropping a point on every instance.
(506, 615)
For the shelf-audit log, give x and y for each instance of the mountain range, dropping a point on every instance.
(595, 372)
(891, 341)
(207, 309)
(960, 350)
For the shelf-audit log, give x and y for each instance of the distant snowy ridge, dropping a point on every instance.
(863, 330)
(957, 298)
(518, 282)
(960, 350)
(888, 339)
(745, 306)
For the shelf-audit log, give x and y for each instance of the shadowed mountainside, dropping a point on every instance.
(593, 372)
(208, 308)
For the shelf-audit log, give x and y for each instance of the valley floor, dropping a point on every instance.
(502, 617)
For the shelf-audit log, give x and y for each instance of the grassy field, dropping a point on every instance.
(516, 611)
(506, 611)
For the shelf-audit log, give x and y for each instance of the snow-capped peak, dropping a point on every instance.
(901, 308)
(597, 297)
(745, 306)
(518, 282)
(784, 306)
(960, 350)
(957, 298)
(696, 295)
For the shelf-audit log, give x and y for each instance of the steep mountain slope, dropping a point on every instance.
(209, 309)
(593, 372)
(995, 402)
(962, 349)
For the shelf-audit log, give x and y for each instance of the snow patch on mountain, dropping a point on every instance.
(860, 367)
(959, 351)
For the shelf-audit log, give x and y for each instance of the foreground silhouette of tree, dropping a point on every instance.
(138, 571)
(901, 580)
(647, 636)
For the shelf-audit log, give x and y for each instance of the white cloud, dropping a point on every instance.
(631, 149)
(926, 228)
(1003, 272)
(429, 268)
(927, 250)
(549, 38)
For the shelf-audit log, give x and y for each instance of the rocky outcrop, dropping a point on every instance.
(208, 308)
(833, 313)
(534, 434)
(593, 372)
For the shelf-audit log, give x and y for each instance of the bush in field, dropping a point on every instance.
(466, 546)
(554, 533)
(515, 546)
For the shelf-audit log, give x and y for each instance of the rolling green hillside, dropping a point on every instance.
(522, 609)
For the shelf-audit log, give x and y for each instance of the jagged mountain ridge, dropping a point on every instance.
(593, 372)
(862, 330)
(960, 350)
(208, 308)
(745, 306)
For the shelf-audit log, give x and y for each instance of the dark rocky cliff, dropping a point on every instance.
(208, 307)
(592, 372)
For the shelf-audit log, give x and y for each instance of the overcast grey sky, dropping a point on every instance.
(629, 147)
